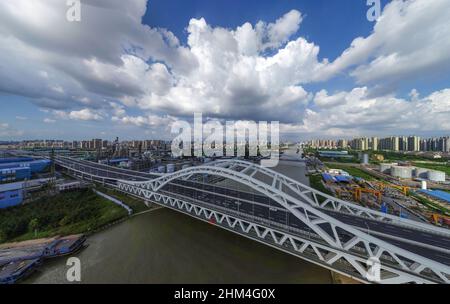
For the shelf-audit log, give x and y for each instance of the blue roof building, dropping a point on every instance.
(328, 178)
(343, 178)
(11, 195)
(36, 166)
(15, 160)
(14, 174)
(437, 194)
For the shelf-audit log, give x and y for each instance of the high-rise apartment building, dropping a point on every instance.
(414, 143)
(374, 143)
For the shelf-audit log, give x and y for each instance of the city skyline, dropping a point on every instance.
(275, 61)
(412, 143)
(179, 143)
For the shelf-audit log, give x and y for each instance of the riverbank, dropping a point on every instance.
(137, 205)
(165, 246)
(342, 279)
(20, 259)
(74, 212)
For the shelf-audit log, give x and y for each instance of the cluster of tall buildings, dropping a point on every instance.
(149, 144)
(45, 143)
(392, 143)
(94, 144)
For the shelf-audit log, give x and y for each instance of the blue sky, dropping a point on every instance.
(331, 24)
(73, 81)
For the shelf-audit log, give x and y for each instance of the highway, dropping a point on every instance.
(427, 244)
(264, 207)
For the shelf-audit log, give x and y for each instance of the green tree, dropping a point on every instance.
(3, 236)
(34, 225)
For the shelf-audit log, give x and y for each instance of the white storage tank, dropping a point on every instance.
(125, 164)
(402, 172)
(385, 168)
(170, 168)
(365, 159)
(424, 185)
(161, 169)
(421, 173)
(436, 176)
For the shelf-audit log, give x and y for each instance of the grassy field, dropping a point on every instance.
(430, 204)
(67, 213)
(315, 181)
(137, 205)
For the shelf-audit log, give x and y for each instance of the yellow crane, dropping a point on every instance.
(382, 186)
(357, 193)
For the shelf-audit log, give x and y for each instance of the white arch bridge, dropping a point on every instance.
(328, 230)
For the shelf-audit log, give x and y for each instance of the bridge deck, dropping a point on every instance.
(427, 244)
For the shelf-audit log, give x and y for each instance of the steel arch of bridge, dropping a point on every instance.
(331, 202)
(341, 246)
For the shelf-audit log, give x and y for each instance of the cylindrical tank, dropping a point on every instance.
(424, 185)
(402, 172)
(436, 176)
(421, 173)
(385, 168)
(125, 164)
(365, 159)
(170, 168)
(161, 169)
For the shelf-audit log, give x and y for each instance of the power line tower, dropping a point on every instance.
(52, 160)
(52, 183)
(98, 154)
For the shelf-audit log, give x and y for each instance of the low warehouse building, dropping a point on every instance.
(11, 195)
(437, 194)
(14, 174)
(36, 166)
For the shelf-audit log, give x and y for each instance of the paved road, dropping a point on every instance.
(264, 207)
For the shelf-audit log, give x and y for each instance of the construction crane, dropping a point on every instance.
(356, 192)
(382, 186)
(439, 219)
(376, 193)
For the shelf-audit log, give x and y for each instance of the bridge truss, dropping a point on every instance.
(332, 244)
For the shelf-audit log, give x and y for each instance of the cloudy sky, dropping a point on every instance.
(131, 68)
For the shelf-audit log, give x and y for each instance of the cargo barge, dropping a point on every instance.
(19, 260)
(65, 246)
(12, 272)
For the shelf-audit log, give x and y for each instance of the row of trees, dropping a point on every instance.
(52, 213)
